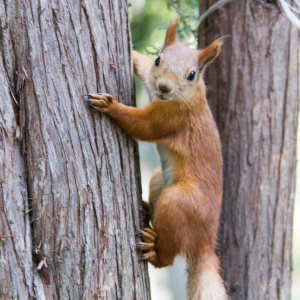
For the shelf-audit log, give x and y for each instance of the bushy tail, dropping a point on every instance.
(204, 280)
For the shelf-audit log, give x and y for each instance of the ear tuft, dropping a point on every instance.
(171, 37)
(209, 54)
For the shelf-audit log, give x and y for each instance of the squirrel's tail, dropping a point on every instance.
(204, 280)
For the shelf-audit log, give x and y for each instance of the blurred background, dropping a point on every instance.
(149, 20)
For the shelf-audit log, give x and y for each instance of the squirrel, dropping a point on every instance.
(186, 193)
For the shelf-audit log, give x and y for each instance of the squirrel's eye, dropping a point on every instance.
(157, 61)
(191, 76)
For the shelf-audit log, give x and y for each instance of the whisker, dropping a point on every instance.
(178, 94)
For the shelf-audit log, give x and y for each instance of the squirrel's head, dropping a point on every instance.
(177, 71)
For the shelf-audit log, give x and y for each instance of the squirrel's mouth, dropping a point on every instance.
(163, 97)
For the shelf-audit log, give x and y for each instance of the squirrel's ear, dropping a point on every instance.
(171, 37)
(209, 54)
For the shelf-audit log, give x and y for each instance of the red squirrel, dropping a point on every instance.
(186, 193)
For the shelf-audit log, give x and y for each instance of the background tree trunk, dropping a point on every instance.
(253, 90)
(70, 183)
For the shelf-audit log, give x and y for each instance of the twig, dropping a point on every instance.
(212, 9)
(181, 15)
(293, 8)
(292, 17)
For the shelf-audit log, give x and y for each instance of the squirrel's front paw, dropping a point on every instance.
(100, 101)
(147, 245)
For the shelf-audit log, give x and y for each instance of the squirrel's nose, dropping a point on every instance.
(164, 88)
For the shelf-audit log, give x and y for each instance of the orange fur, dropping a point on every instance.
(142, 65)
(185, 196)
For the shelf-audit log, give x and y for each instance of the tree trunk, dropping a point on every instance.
(69, 178)
(253, 90)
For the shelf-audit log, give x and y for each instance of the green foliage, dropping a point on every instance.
(150, 19)
(188, 13)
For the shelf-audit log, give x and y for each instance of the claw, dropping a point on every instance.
(90, 95)
(145, 246)
(150, 231)
(148, 235)
(141, 258)
(93, 95)
(139, 245)
(148, 255)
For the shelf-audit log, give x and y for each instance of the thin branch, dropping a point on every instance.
(181, 15)
(212, 9)
(292, 17)
(293, 8)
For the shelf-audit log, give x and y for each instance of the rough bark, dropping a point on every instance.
(254, 90)
(15, 237)
(70, 183)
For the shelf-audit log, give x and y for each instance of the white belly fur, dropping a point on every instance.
(166, 165)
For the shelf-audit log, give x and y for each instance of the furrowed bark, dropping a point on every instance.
(254, 92)
(15, 234)
(78, 173)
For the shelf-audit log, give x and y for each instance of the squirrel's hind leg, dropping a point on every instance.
(165, 241)
(155, 190)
